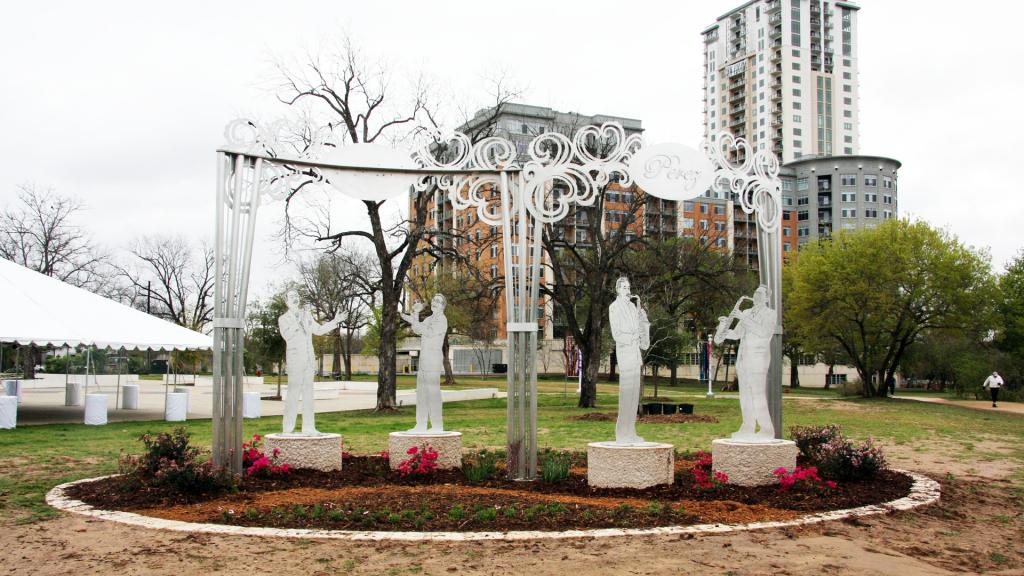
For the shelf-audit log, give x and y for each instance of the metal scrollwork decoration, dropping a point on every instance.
(471, 190)
(755, 181)
(579, 168)
(281, 140)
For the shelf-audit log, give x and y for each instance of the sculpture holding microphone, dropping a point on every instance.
(755, 327)
(632, 333)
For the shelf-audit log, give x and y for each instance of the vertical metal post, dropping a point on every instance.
(770, 270)
(235, 230)
(220, 450)
(512, 436)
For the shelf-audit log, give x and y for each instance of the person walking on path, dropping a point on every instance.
(994, 383)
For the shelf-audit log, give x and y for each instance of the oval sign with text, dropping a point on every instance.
(672, 171)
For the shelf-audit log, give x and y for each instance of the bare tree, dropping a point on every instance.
(172, 280)
(586, 258)
(38, 232)
(360, 107)
(332, 285)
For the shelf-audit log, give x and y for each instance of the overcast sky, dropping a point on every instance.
(122, 104)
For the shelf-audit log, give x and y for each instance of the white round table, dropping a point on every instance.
(95, 409)
(177, 407)
(130, 397)
(250, 404)
(8, 412)
(73, 394)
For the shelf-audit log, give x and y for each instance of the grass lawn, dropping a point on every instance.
(34, 458)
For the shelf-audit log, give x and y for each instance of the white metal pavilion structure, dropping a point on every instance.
(560, 172)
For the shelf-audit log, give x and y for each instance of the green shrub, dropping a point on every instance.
(486, 514)
(555, 466)
(170, 461)
(840, 459)
(481, 466)
(809, 438)
(457, 513)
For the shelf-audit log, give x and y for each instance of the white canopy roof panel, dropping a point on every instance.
(38, 309)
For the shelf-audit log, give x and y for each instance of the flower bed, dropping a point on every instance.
(367, 495)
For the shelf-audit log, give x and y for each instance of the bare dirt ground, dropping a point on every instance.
(977, 528)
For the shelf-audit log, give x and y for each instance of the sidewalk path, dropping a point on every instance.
(46, 405)
(1008, 407)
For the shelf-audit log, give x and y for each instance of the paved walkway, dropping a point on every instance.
(46, 405)
(1009, 407)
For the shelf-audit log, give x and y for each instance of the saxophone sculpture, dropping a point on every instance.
(724, 322)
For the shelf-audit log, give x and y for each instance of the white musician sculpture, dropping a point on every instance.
(428, 376)
(298, 328)
(754, 327)
(632, 332)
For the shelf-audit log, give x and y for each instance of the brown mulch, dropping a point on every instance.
(365, 495)
(647, 419)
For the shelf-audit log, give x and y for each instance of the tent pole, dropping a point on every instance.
(167, 379)
(86, 371)
(120, 366)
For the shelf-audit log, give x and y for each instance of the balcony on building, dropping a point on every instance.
(737, 96)
(773, 6)
(777, 95)
(776, 31)
(737, 110)
(737, 84)
(739, 122)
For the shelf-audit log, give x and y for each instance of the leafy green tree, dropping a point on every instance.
(875, 292)
(264, 344)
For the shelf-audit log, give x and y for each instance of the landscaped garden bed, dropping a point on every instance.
(367, 495)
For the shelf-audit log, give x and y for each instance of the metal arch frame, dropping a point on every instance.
(250, 166)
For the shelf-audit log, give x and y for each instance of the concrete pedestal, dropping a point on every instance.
(322, 452)
(95, 409)
(447, 444)
(13, 388)
(177, 407)
(73, 394)
(250, 405)
(611, 465)
(752, 463)
(130, 397)
(8, 412)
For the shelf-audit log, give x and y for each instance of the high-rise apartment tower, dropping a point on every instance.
(783, 75)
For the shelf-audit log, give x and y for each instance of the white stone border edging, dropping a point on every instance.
(924, 491)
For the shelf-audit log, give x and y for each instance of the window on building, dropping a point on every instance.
(888, 183)
(797, 132)
(703, 208)
(703, 224)
(886, 214)
(803, 232)
(847, 150)
(848, 179)
(796, 79)
(802, 215)
(847, 113)
(797, 106)
(796, 92)
(849, 196)
(785, 232)
(871, 197)
(797, 118)
(847, 76)
(797, 144)
(886, 199)
(847, 126)
(870, 213)
(849, 212)
(720, 226)
(870, 180)
(801, 184)
(848, 139)
(494, 251)
(803, 201)
(494, 270)
(796, 65)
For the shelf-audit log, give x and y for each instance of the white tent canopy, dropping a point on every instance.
(37, 309)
